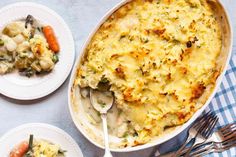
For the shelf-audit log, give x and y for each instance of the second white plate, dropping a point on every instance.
(20, 87)
(40, 131)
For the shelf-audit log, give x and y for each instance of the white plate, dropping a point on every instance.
(40, 131)
(20, 87)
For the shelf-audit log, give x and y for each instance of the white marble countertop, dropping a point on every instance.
(81, 16)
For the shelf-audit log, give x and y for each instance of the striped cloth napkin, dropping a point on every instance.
(224, 105)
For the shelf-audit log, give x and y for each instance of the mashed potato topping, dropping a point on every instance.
(42, 148)
(159, 56)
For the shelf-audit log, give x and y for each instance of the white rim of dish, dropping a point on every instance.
(45, 88)
(45, 126)
(173, 133)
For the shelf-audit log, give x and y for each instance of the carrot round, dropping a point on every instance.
(20, 150)
(51, 38)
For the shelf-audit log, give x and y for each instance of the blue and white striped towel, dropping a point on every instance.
(224, 105)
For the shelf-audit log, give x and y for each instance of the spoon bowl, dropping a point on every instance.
(101, 101)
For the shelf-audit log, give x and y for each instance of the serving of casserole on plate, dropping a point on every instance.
(38, 140)
(36, 48)
(162, 60)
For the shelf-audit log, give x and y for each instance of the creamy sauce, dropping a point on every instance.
(101, 101)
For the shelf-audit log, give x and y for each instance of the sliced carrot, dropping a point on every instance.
(51, 38)
(20, 150)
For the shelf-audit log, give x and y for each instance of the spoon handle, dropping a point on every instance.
(106, 140)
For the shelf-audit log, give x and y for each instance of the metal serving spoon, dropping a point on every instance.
(102, 102)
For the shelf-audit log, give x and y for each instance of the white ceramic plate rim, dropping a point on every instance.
(46, 127)
(173, 133)
(50, 82)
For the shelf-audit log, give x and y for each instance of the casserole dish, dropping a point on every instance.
(86, 124)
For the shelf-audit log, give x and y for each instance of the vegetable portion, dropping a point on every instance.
(29, 47)
(30, 152)
(20, 150)
(37, 148)
(51, 38)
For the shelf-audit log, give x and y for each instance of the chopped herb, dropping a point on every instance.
(1, 42)
(135, 134)
(195, 39)
(119, 112)
(125, 135)
(40, 29)
(144, 40)
(62, 152)
(24, 54)
(102, 103)
(175, 41)
(122, 36)
(104, 80)
(27, 72)
(131, 38)
(176, 18)
(55, 58)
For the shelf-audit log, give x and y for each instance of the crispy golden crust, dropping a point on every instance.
(159, 57)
